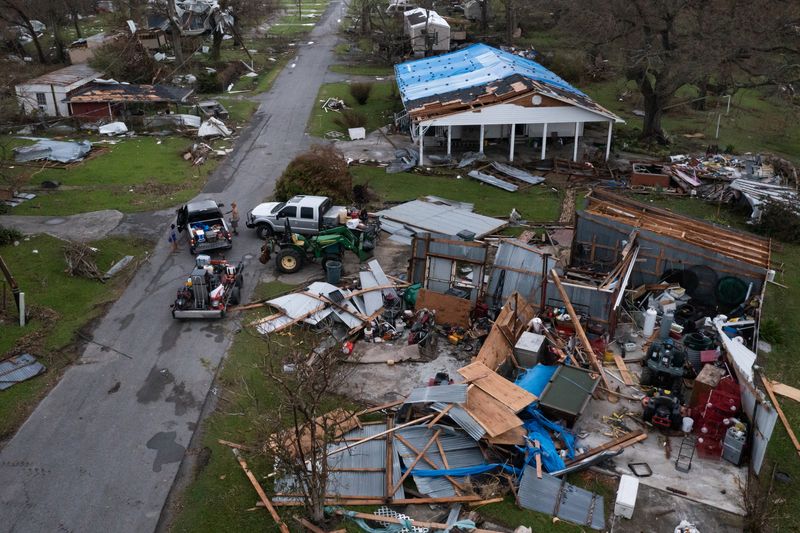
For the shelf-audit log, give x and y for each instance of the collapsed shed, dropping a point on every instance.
(125, 101)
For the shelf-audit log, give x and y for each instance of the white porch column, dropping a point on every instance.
(421, 133)
(575, 147)
(512, 137)
(480, 150)
(544, 140)
(449, 138)
(608, 139)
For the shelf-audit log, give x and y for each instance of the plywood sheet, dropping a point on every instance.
(492, 383)
(512, 437)
(449, 309)
(786, 390)
(495, 417)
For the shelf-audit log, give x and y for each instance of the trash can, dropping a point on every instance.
(333, 271)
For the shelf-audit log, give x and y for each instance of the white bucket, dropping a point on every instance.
(688, 424)
(649, 322)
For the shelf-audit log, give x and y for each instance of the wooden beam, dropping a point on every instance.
(441, 414)
(381, 434)
(579, 329)
(389, 460)
(538, 458)
(380, 407)
(782, 416)
(444, 461)
(308, 525)
(392, 520)
(624, 441)
(234, 445)
(785, 390)
(623, 370)
(260, 491)
(416, 460)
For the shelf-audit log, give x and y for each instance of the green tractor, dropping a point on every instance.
(328, 245)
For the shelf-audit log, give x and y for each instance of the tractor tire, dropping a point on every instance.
(264, 231)
(646, 379)
(236, 296)
(289, 261)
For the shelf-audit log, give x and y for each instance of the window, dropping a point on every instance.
(290, 211)
(41, 99)
(307, 212)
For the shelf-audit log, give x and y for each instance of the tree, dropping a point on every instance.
(663, 46)
(322, 170)
(17, 13)
(301, 426)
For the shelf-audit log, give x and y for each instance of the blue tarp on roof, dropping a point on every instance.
(472, 66)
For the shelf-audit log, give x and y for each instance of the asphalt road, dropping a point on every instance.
(101, 452)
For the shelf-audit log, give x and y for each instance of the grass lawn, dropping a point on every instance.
(362, 70)
(60, 306)
(378, 110)
(240, 109)
(296, 22)
(539, 203)
(757, 122)
(137, 174)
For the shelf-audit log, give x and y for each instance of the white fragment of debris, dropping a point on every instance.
(251, 75)
(35, 251)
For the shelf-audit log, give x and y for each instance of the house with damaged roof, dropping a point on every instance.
(464, 98)
(124, 101)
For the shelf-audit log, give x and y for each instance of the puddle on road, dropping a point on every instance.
(157, 380)
(167, 450)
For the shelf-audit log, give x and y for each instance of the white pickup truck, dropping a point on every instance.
(308, 215)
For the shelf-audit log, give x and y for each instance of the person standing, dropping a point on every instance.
(173, 238)
(234, 212)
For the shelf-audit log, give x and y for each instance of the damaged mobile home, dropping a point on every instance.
(511, 360)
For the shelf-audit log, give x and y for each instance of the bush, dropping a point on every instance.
(779, 221)
(9, 235)
(322, 171)
(360, 92)
(350, 118)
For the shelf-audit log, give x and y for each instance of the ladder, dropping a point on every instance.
(686, 453)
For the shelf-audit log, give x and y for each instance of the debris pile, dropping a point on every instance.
(638, 344)
(80, 261)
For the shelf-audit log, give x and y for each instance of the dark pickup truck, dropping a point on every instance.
(206, 226)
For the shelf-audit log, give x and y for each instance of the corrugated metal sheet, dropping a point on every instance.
(19, 368)
(59, 151)
(550, 495)
(371, 454)
(492, 180)
(424, 216)
(517, 173)
(518, 269)
(440, 393)
(461, 451)
(658, 252)
(463, 419)
(373, 300)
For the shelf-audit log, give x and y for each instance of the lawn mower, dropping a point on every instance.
(328, 245)
(663, 409)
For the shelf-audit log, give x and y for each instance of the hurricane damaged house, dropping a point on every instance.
(563, 377)
(461, 99)
(48, 94)
(125, 102)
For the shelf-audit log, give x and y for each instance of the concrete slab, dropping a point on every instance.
(712, 482)
(657, 511)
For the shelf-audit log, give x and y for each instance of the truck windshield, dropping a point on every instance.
(277, 208)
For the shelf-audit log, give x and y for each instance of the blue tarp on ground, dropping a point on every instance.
(472, 66)
(535, 379)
